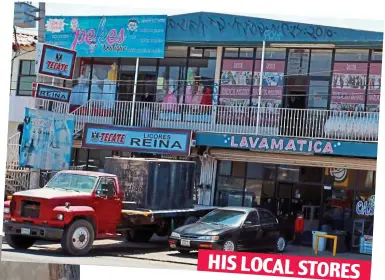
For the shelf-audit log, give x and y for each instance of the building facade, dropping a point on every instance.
(284, 115)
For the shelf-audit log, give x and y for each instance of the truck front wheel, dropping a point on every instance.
(19, 242)
(78, 238)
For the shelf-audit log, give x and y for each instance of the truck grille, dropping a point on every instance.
(30, 209)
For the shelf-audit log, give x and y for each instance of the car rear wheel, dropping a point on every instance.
(229, 245)
(19, 242)
(280, 244)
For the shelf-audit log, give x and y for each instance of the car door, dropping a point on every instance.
(269, 227)
(108, 209)
(250, 232)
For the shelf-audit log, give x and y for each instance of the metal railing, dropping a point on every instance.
(283, 122)
(53, 106)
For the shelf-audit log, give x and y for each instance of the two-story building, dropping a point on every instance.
(304, 138)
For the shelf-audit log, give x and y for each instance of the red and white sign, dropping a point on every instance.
(283, 265)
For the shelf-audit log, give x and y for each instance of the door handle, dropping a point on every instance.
(117, 199)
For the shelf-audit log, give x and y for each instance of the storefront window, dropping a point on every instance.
(200, 81)
(104, 78)
(311, 174)
(272, 53)
(321, 63)
(298, 62)
(246, 52)
(253, 192)
(224, 167)
(126, 79)
(175, 51)
(351, 55)
(318, 94)
(171, 77)
(376, 55)
(229, 191)
(231, 52)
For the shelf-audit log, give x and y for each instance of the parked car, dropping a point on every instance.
(230, 229)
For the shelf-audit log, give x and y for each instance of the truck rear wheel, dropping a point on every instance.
(19, 242)
(78, 238)
(139, 235)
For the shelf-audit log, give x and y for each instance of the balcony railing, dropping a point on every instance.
(283, 122)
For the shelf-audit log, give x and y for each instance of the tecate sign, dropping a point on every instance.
(145, 140)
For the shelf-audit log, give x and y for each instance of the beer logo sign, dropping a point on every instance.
(339, 174)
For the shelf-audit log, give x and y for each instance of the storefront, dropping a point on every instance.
(337, 198)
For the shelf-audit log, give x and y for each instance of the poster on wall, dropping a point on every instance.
(348, 86)
(272, 84)
(374, 88)
(236, 82)
(109, 36)
(47, 140)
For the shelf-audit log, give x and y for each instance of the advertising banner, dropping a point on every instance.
(109, 36)
(272, 84)
(53, 93)
(348, 86)
(236, 82)
(47, 140)
(144, 140)
(56, 62)
(374, 88)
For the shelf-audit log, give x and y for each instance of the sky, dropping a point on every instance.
(64, 9)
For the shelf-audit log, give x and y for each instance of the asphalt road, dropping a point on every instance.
(107, 252)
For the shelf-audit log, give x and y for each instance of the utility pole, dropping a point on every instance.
(41, 26)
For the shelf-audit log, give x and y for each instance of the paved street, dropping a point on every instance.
(107, 252)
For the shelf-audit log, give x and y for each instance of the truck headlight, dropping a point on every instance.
(175, 235)
(60, 217)
(6, 210)
(209, 238)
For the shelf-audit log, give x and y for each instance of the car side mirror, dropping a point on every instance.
(247, 224)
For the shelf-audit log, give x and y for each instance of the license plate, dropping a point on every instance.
(172, 246)
(25, 231)
(185, 243)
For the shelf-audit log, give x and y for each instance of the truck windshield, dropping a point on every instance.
(72, 182)
(224, 217)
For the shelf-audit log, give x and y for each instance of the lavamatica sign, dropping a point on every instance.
(145, 140)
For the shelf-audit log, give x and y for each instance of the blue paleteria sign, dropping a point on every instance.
(144, 140)
(47, 140)
(109, 36)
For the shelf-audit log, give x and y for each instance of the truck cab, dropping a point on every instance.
(74, 207)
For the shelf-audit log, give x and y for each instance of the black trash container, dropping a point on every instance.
(341, 245)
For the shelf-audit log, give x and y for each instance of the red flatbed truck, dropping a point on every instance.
(90, 207)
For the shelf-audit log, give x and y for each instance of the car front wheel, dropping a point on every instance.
(280, 244)
(229, 245)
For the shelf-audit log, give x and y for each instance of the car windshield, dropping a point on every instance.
(224, 217)
(72, 182)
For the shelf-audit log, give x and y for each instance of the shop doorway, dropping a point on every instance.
(146, 87)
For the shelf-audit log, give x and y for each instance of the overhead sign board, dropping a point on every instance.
(53, 93)
(109, 36)
(24, 15)
(143, 140)
(56, 62)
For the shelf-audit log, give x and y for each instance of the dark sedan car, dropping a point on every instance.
(230, 229)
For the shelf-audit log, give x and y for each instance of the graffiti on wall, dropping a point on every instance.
(218, 27)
